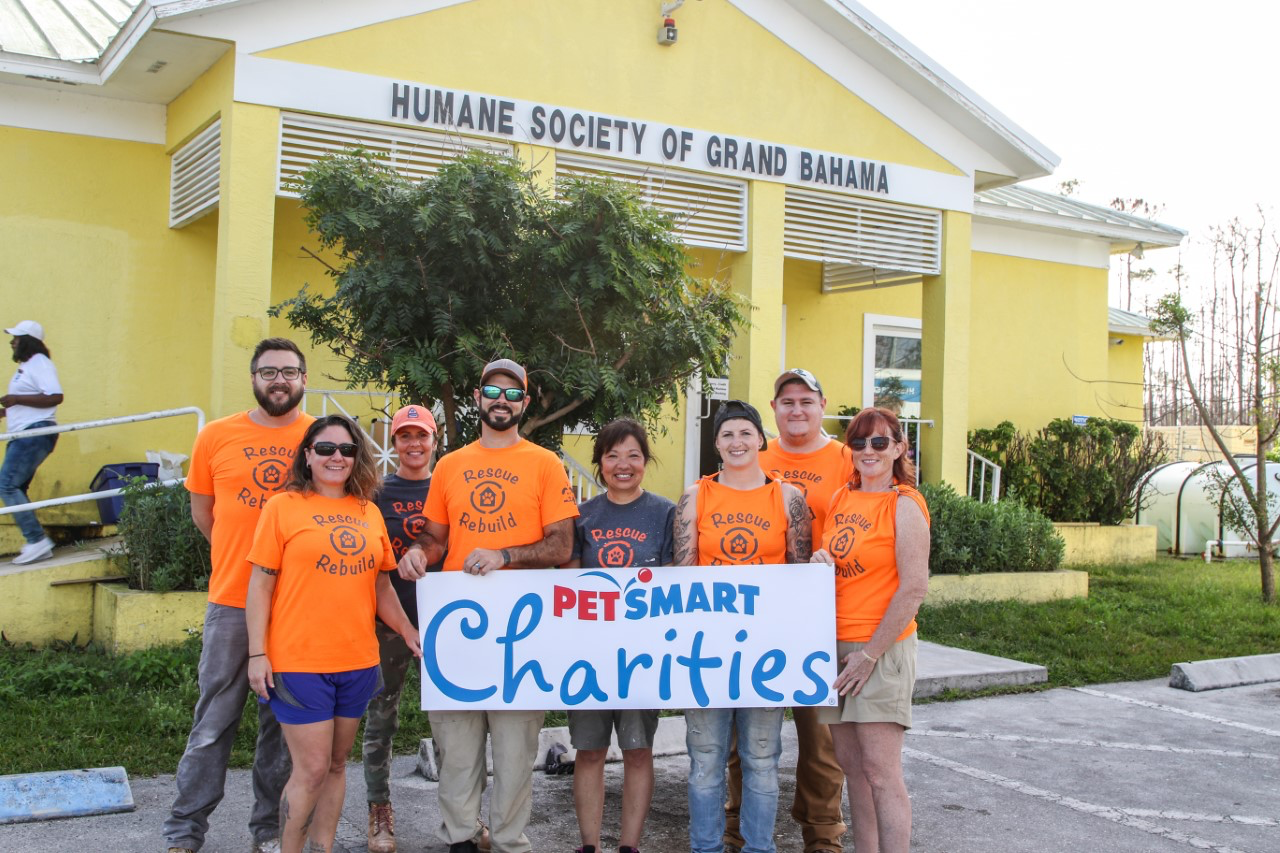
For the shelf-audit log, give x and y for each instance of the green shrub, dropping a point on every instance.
(969, 536)
(1073, 472)
(164, 550)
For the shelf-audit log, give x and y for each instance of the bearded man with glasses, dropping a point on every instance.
(237, 464)
(501, 502)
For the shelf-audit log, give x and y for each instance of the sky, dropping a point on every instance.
(1173, 102)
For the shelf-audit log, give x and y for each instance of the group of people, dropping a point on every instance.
(313, 608)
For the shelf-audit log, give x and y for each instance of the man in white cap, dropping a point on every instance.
(501, 502)
(401, 499)
(804, 456)
(33, 398)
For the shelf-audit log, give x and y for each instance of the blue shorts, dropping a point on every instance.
(314, 697)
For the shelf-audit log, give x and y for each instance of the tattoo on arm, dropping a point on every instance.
(685, 533)
(799, 529)
(266, 571)
(554, 548)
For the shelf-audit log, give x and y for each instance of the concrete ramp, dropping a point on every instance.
(64, 793)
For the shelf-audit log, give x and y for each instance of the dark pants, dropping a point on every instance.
(383, 717)
(202, 772)
(21, 459)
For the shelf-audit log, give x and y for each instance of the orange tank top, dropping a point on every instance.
(860, 536)
(741, 526)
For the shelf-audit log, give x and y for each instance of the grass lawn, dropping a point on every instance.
(1136, 623)
(66, 707)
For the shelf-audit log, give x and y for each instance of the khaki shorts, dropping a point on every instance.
(594, 729)
(886, 697)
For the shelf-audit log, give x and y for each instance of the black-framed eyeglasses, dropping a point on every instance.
(328, 448)
(493, 392)
(267, 374)
(878, 442)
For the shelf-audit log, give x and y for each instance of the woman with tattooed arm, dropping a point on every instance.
(737, 517)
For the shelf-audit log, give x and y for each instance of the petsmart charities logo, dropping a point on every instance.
(649, 638)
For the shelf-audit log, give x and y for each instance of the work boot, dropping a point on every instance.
(181, 850)
(382, 828)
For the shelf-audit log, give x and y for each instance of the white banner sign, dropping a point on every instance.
(740, 636)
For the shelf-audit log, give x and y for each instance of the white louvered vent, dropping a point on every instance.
(194, 173)
(878, 240)
(853, 277)
(415, 154)
(709, 211)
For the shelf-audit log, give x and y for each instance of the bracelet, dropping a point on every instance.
(262, 655)
(867, 656)
(506, 557)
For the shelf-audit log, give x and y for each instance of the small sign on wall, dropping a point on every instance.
(1079, 420)
(719, 388)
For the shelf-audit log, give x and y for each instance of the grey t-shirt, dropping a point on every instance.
(618, 536)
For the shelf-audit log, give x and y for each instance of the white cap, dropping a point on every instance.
(30, 328)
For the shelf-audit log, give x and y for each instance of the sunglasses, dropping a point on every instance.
(493, 392)
(328, 448)
(877, 443)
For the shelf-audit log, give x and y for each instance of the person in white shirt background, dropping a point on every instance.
(33, 398)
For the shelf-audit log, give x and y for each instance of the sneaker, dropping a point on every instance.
(382, 828)
(33, 551)
(271, 845)
(181, 850)
(467, 846)
(628, 850)
(586, 848)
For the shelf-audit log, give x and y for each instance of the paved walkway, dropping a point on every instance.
(1127, 767)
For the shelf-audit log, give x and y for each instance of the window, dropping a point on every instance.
(892, 366)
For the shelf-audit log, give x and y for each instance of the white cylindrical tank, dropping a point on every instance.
(1158, 500)
(1183, 501)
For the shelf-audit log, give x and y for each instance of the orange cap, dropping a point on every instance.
(419, 416)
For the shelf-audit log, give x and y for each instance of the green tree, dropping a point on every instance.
(590, 290)
(1248, 506)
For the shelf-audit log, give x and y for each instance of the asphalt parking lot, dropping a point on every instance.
(1130, 767)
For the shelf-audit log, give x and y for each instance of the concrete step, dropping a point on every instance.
(940, 668)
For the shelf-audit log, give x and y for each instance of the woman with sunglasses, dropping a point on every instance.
(626, 527)
(320, 560)
(877, 539)
(769, 524)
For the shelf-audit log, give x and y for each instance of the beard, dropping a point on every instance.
(500, 421)
(271, 407)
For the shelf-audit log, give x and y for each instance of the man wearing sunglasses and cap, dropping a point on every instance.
(501, 502)
(807, 458)
(237, 463)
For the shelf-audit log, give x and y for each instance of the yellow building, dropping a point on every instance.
(861, 198)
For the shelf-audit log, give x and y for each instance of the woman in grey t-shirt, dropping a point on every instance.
(622, 528)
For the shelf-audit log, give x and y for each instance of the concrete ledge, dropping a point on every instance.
(667, 740)
(1225, 672)
(1091, 543)
(36, 612)
(1005, 586)
(64, 793)
(127, 620)
(940, 668)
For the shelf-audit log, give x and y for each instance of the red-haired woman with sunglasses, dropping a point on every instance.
(321, 557)
(877, 539)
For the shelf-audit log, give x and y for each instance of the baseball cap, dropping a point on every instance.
(796, 374)
(507, 366)
(418, 416)
(735, 410)
(30, 328)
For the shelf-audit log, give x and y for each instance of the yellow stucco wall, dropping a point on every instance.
(727, 73)
(85, 249)
(1122, 398)
(1056, 311)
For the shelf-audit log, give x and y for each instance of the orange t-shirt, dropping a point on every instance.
(817, 475)
(860, 537)
(328, 552)
(241, 464)
(497, 497)
(741, 526)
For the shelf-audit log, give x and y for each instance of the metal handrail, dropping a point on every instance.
(982, 466)
(83, 425)
(581, 480)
